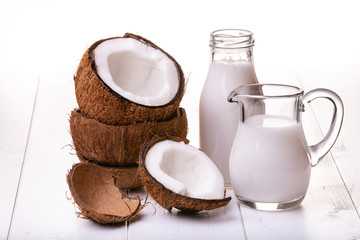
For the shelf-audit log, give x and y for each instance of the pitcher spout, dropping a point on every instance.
(233, 97)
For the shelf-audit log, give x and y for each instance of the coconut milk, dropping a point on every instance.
(218, 118)
(269, 160)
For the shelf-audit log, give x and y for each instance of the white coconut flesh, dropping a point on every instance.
(185, 170)
(136, 71)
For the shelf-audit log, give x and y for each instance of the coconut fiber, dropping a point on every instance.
(119, 146)
(167, 198)
(97, 197)
(96, 100)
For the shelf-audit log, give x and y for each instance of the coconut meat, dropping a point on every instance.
(185, 170)
(136, 71)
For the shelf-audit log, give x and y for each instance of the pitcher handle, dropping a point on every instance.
(319, 150)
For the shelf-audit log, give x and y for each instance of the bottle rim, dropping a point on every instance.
(231, 38)
(265, 91)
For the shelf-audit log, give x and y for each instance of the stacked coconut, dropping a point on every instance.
(128, 91)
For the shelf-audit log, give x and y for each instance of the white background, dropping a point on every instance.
(51, 35)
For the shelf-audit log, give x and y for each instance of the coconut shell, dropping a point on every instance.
(119, 146)
(98, 198)
(98, 101)
(167, 198)
(124, 177)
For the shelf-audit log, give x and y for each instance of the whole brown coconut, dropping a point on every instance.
(97, 197)
(167, 198)
(119, 146)
(98, 101)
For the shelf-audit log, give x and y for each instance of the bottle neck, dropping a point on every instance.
(231, 46)
(232, 55)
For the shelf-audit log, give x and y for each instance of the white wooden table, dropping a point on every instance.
(35, 156)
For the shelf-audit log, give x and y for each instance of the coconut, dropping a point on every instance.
(177, 175)
(124, 80)
(119, 146)
(98, 198)
(124, 177)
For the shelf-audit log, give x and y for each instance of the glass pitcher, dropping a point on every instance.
(270, 161)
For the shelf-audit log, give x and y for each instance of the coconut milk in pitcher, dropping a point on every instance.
(231, 66)
(270, 163)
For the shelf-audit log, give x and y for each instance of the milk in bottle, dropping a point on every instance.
(231, 66)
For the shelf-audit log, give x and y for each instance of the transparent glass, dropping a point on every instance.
(270, 161)
(231, 65)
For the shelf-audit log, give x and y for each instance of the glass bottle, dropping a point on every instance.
(231, 66)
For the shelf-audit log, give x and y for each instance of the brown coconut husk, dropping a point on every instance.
(96, 100)
(167, 198)
(98, 198)
(124, 177)
(119, 146)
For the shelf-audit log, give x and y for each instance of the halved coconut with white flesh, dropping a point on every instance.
(124, 80)
(119, 146)
(177, 175)
(98, 198)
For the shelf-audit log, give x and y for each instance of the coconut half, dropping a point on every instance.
(119, 146)
(98, 198)
(136, 71)
(124, 177)
(124, 80)
(178, 175)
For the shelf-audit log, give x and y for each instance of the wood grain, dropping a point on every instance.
(42, 209)
(17, 96)
(157, 223)
(345, 81)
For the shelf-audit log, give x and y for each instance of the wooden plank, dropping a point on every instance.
(157, 223)
(42, 209)
(345, 81)
(327, 211)
(17, 95)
